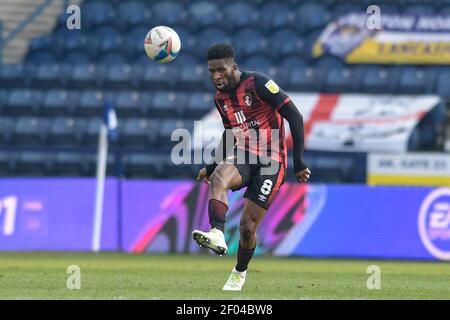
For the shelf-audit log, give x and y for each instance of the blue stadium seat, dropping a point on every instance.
(204, 14)
(132, 13)
(23, 102)
(240, 15)
(329, 62)
(168, 104)
(3, 98)
(30, 131)
(7, 163)
(415, 81)
(283, 43)
(50, 75)
(91, 103)
(143, 165)
(258, 62)
(59, 102)
(121, 75)
(79, 42)
(339, 80)
(41, 57)
(97, 14)
(68, 164)
(342, 8)
(240, 40)
(193, 77)
(199, 104)
(156, 76)
(15, 75)
(86, 76)
(7, 126)
(138, 133)
(309, 16)
(210, 36)
(442, 85)
(90, 135)
(419, 9)
(76, 58)
(131, 103)
(51, 44)
(379, 79)
(33, 164)
(168, 126)
(291, 62)
(66, 131)
(170, 13)
(112, 58)
(110, 41)
(188, 41)
(275, 15)
(305, 79)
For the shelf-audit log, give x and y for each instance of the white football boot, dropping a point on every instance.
(214, 240)
(235, 281)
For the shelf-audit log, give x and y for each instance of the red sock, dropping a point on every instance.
(217, 211)
(243, 258)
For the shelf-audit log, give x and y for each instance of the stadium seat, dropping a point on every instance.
(442, 85)
(76, 58)
(90, 135)
(41, 57)
(199, 104)
(131, 103)
(345, 7)
(91, 103)
(51, 44)
(50, 75)
(169, 13)
(309, 16)
(240, 40)
(143, 165)
(203, 14)
(30, 131)
(97, 14)
(68, 164)
(415, 81)
(193, 77)
(86, 76)
(256, 63)
(90, 164)
(305, 79)
(275, 15)
(168, 104)
(138, 133)
(131, 13)
(419, 9)
(285, 43)
(77, 41)
(379, 79)
(210, 36)
(23, 102)
(33, 164)
(66, 131)
(7, 126)
(59, 103)
(121, 75)
(339, 80)
(7, 163)
(239, 15)
(15, 75)
(156, 76)
(3, 98)
(168, 126)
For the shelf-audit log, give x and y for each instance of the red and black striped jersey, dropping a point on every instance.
(250, 111)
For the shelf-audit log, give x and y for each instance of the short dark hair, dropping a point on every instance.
(220, 51)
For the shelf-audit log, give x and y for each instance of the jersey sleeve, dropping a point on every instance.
(269, 91)
(225, 121)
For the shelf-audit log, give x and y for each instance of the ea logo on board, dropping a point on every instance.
(434, 223)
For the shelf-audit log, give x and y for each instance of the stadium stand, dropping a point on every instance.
(51, 103)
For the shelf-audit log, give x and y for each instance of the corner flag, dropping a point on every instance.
(108, 129)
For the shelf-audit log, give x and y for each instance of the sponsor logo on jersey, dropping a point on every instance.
(272, 86)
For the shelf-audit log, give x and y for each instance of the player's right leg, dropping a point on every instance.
(225, 177)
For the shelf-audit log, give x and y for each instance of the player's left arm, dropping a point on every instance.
(269, 91)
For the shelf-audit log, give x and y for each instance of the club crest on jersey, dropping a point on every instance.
(225, 108)
(272, 86)
(248, 99)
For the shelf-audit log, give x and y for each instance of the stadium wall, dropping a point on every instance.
(143, 216)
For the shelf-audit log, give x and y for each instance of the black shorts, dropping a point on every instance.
(263, 179)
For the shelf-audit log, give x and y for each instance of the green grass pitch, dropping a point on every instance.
(43, 275)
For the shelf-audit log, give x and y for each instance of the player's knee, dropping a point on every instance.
(247, 231)
(217, 181)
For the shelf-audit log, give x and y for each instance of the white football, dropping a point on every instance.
(162, 44)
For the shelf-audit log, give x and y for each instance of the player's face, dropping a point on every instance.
(222, 74)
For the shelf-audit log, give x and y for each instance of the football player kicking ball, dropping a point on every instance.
(247, 101)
